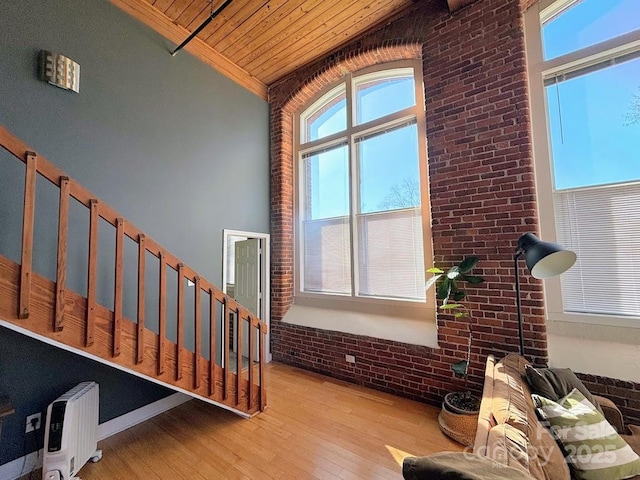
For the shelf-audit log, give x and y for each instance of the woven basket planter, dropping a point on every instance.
(461, 427)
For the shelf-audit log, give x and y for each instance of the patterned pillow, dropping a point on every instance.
(592, 447)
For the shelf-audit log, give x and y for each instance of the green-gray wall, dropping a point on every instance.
(172, 145)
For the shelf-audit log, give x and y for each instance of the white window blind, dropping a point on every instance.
(327, 255)
(601, 225)
(391, 254)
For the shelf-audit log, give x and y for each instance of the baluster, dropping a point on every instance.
(162, 322)
(198, 327)
(252, 325)
(180, 321)
(94, 216)
(225, 348)
(263, 390)
(142, 253)
(119, 287)
(27, 234)
(239, 340)
(61, 271)
(212, 343)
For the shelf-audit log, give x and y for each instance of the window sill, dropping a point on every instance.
(416, 325)
(592, 319)
(381, 306)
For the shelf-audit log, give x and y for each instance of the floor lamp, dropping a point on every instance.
(544, 260)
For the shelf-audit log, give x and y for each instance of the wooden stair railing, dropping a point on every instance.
(35, 304)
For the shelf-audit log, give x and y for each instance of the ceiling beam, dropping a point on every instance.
(159, 22)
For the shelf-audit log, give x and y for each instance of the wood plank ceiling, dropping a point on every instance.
(257, 42)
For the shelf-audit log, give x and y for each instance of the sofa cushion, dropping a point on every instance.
(593, 448)
(555, 383)
(540, 455)
(508, 446)
(511, 401)
(458, 466)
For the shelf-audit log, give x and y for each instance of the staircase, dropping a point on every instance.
(223, 374)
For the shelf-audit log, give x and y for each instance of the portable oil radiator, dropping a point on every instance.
(71, 434)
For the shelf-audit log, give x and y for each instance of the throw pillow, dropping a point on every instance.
(592, 447)
(458, 466)
(555, 383)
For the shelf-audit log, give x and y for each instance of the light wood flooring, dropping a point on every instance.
(314, 428)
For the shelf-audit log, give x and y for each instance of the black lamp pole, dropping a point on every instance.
(518, 301)
(544, 260)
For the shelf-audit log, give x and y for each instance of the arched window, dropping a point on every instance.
(362, 200)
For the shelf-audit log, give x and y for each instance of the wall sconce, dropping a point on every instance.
(59, 70)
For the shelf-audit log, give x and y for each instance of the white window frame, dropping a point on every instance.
(375, 305)
(538, 70)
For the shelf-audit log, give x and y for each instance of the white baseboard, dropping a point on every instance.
(23, 465)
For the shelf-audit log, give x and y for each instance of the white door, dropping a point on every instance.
(247, 274)
(247, 284)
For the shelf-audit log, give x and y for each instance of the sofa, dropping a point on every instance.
(509, 431)
(511, 442)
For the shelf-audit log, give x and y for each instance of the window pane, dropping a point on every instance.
(600, 225)
(326, 116)
(588, 22)
(327, 256)
(326, 231)
(326, 183)
(391, 256)
(377, 97)
(594, 124)
(389, 170)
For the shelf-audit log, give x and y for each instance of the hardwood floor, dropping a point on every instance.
(314, 427)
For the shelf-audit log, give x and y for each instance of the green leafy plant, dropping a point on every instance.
(448, 290)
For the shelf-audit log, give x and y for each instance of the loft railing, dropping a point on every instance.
(33, 303)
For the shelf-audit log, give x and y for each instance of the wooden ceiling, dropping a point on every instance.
(256, 42)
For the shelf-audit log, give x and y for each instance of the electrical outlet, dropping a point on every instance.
(33, 422)
(350, 358)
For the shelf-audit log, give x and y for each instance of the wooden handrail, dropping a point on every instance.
(38, 165)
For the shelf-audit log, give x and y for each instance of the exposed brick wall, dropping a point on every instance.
(527, 4)
(481, 187)
(626, 395)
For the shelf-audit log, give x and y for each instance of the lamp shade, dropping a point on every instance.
(545, 259)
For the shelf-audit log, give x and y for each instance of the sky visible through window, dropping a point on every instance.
(388, 162)
(594, 118)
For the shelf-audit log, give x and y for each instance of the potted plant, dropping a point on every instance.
(448, 290)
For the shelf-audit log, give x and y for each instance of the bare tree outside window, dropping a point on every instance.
(402, 195)
(633, 116)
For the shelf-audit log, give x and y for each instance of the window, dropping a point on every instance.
(361, 189)
(585, 90)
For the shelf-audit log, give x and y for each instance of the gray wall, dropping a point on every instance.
(164, 140)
